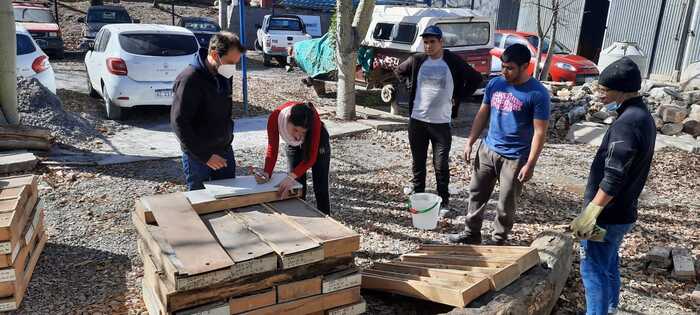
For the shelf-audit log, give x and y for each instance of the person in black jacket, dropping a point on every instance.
(617, 177)
(201, 112)
(438, 81)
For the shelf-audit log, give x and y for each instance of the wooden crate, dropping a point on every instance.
(254, 247)
(18, 197)
(13, 302)
(451, 274)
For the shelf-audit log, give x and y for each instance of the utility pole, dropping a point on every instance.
(8, 75)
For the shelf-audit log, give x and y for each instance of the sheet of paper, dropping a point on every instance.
(243, 185)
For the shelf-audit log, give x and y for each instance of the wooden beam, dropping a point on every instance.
(525, 257)
(298, 289)
(312, 304)
(341, 280)
(499, 277)
(12, 303)
(351, 309)
(293, 246)
(477, 261)
(253, 301)
(19, 180)
(443, 274)
(182, 228)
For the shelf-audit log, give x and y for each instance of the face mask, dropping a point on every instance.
(226, 71)
(612, 106)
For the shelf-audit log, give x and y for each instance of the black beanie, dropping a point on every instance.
(622, 75)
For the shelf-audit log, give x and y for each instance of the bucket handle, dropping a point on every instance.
(414, 210)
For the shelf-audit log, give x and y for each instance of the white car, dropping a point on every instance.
(277, 33)
(135, 64)
(32, 62)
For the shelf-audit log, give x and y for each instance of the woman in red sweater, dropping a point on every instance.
(308, 147)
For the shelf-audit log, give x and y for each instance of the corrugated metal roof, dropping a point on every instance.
(692, 53)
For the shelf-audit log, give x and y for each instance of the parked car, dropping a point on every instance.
(31, 61)
(100, 15)
(202, 27)
(393, 36)
(565, 66)
(276, 34)
(38, 19)
(135, 64)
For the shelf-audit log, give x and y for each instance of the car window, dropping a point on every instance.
(201, 27)
(406, 33)
(104, 41)
(557, 49)
(281, 24)
(497, 38)
(108, 16)
(158, 44)
(465, 34)
(512, 40)
(33, 15)
(382, 31)
(24, 44)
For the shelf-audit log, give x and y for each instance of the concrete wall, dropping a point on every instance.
(254, 15)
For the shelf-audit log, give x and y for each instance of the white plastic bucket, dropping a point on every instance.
(425, 208)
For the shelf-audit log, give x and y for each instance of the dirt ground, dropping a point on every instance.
(91, 265)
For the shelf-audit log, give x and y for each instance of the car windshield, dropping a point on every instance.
(557, 49)
(201, 26)
(24, 45)
(108, 16)
(282, 24)
(158, 44)
(28, 15)
(465, 34)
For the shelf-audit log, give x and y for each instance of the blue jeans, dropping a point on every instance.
(197, 172)
(600, 270)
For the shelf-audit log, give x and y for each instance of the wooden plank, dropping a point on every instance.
(150, 284)
(351, 309)
(336, 238)
(254, 301)
(312, 304)
(19, 180)
(17, 161)
(249, 253)
(477, 261)
(158, 250)
(253, 283)
(499, 277)
(192, 242)
(298, 289)
(12, 224)
(683, 265)
(150, 300)
(432, 280)
(12, 303)
(525, 257)
(13, 203)
(447, 274)
(244, 185)
(293, 246)
(203, 203)
(220, 308)
(341, 280)
(435, 292)
(11, 276)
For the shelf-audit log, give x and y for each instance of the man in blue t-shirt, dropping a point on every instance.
(516, 107)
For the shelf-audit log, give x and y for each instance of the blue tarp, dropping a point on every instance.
(316, 56)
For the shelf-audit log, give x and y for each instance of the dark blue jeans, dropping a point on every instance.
(600, 270)
(197, 172)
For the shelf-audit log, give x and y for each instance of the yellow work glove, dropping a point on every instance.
(583, 225)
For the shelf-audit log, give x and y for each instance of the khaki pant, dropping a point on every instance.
(490, 167)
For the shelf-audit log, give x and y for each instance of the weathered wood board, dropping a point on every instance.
(17, 161)
(312, 304)
(244, 185)
(12, 303)
(253, 301)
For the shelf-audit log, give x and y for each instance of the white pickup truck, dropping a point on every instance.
(276, 34)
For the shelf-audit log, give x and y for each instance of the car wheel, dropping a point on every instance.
(281, 61)
(257, 45)
(114, 112)
(267, 60)
(91, 91)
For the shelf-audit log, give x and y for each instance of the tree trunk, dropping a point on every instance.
(555, 21)
(540, 36)
(363, 17)
(345, 61)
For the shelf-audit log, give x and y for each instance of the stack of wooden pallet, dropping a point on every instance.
(451, 274)
(22, 237)
(250, 254)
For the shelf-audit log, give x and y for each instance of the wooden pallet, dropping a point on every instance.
(255, 246)
(25, 275)
(18, 198)
(451, 274)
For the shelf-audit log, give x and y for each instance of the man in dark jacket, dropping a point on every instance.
(617, 177)
(438, 81)
(201, 112)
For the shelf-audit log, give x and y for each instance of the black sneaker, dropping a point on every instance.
(465, 238)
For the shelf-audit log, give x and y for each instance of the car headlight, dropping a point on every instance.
(566, 66)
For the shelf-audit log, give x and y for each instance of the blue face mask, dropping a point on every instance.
(612, 106)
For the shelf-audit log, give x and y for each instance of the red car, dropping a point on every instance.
(38, 19)
(565, 66)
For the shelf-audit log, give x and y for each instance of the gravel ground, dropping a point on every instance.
(90, 264)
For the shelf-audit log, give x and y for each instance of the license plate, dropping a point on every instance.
(164, 92)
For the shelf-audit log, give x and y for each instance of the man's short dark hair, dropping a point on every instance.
(518, 54)
(222, 42)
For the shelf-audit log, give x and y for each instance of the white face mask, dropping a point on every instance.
(612, 106)
(226, 71)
